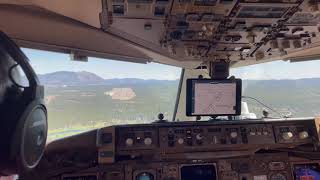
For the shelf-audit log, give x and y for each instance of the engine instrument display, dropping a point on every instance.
(307, 171)
(204, 172)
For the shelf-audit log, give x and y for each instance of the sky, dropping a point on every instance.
(279, 70)
(46, 62)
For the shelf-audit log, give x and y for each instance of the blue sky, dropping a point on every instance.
(46, 62)
(280, 70)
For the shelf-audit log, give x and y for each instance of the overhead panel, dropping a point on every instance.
(184, 32)
(208, 30)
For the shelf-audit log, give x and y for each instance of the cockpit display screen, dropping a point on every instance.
(203, 172)
(307, 171)
(206, 97)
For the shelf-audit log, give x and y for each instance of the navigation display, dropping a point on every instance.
(307, 171)
(206, 97)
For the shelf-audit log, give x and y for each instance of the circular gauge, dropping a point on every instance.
(129, 141)
(180, 140)
(148, 141)
(145, 176)
(278, 176)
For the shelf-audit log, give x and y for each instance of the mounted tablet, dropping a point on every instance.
(208, 97)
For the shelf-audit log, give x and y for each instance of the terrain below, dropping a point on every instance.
(79, 101)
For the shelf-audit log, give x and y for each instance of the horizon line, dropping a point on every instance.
(246, 79)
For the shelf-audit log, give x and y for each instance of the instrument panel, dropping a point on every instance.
(206, 150)
(218, 150)
(273, 166)
(177, 139)
(172, 138)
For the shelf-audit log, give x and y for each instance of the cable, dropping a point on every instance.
(261, 103)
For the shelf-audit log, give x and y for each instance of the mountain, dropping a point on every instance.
(61, 78)
(69, 78)
(83, 78)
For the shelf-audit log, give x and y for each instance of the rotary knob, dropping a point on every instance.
(303, 135)
(233, 134)
(180, 141)
(129, 141)
(287, 135)
(148, 141)
(199, 137)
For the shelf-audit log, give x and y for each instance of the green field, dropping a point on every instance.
(87, 105)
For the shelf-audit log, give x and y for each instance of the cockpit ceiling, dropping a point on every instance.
(185, 33)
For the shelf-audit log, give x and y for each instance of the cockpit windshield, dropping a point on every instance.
(283, 89)
(87, 95)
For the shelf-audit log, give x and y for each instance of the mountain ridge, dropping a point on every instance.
(71, 78)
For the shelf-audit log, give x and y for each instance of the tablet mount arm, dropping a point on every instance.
(219, 70)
